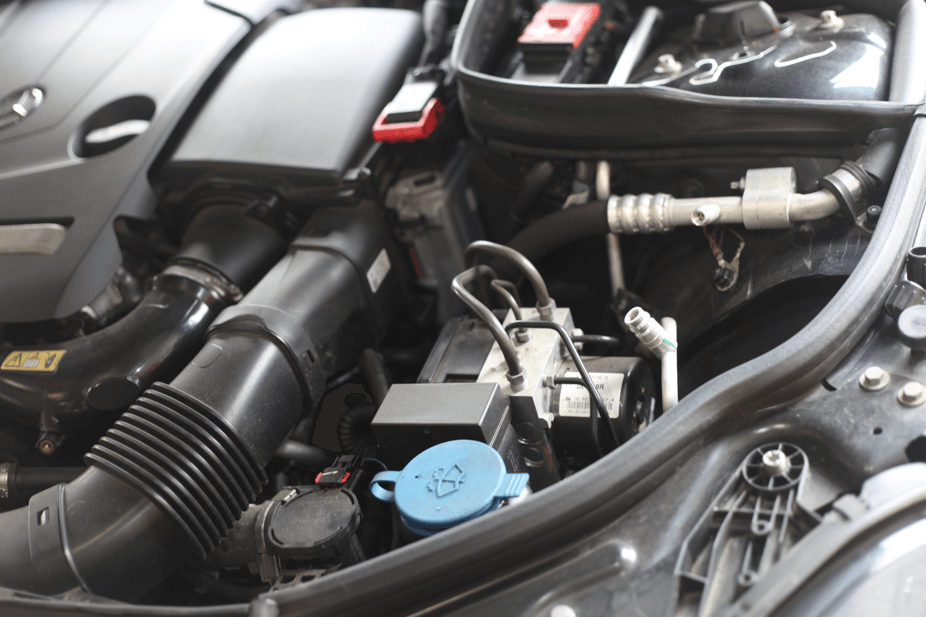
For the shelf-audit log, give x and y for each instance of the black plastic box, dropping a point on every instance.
(415, 417)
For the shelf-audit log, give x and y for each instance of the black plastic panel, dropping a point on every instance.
(596, 119)
(803, 60)
(297, 110)
(98, 64)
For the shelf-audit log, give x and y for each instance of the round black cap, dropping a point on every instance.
(911, 325)
(737, 21)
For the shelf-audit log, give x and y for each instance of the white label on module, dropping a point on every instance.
(378, 270)
(574, 401)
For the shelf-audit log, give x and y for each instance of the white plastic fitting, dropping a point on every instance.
(670, 368)
(650, 332)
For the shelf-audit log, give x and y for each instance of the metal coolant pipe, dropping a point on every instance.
(636, 45)
(633, 52)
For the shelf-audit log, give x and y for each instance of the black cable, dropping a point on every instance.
(343, 378)
(593, 418)
(580, 367)
(597, 339)
(559, 229)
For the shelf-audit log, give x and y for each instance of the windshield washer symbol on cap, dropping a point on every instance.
(447, 480)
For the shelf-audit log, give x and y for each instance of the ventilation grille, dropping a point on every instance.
(185, 458)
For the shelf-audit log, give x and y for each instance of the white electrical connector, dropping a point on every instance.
(661, 341)
(650, 333)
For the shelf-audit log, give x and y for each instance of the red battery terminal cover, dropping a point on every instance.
(561, 23)
(409, 131)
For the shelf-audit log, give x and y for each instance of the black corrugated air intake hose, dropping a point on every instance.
(223, 252)
(177, 470)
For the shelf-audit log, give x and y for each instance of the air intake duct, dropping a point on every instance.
(107, 370)
(177, 470)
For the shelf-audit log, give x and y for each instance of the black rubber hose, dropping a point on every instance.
(881, 156)
(303, 454)
(352, 426)
(109, 369)
(559, 229)
(564, 227)
(304, 429)
(597, 339)
(176, 471)
(377, 377)
(535, 180)
(223, 589)
(35, 479)
(228, 241)
(478, 551)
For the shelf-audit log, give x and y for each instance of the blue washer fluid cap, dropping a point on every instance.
(449, 484)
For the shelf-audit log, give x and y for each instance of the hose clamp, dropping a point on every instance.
(848, 185)
(215, 283)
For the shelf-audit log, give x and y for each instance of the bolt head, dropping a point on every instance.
(912, 394)
(874, 378)
(829, 19)
(46, 447)
(775, 463)
(668, 64)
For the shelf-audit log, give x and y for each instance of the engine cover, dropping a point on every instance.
(91, 91)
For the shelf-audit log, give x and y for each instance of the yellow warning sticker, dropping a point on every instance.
(34, 361)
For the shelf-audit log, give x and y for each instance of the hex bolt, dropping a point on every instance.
(912, 394)
(517, 382)
(775, 463)
(874, 378)
(668, 64)
(829, 19)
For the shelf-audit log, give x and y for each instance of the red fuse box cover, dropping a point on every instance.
(560, 23)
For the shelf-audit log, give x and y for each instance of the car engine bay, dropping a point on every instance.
(444, 307)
